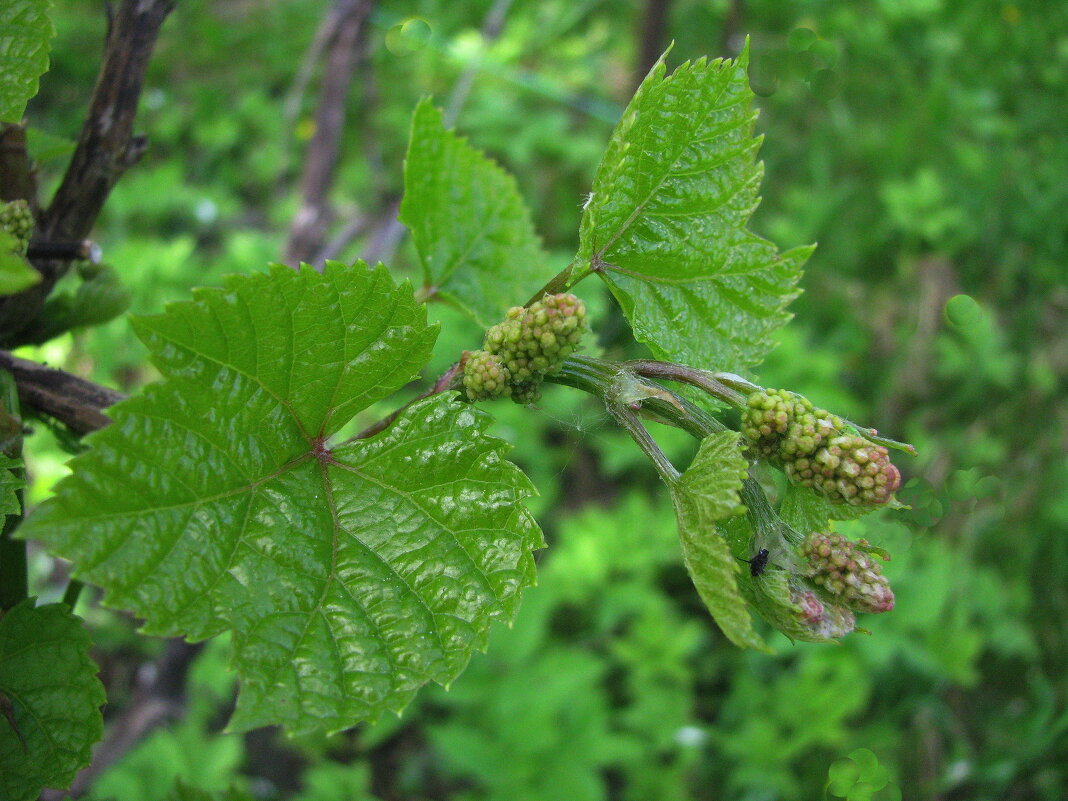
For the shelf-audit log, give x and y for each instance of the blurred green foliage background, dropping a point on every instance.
(921, 143)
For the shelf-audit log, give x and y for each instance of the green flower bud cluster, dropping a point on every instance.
(845, 571)
(818, 449)
(526, 346)
(485, 378)
(17, 219)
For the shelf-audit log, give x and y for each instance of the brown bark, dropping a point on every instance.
(73, 401)
(16, 178)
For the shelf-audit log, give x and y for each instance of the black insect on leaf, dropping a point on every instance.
(758, 564)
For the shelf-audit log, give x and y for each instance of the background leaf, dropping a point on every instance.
(666, 223)
(48, 686)
(706, 493)
(472, 230)
(15, 272)
(99, 298)
(350, 575)
(10, 483)
(25, 31)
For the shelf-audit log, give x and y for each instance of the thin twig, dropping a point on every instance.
(388, 232)
(492, 25)
(448, 380)
(702, 379)
(320, 166)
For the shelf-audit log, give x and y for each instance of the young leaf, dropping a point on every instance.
(25, 31)
(666, 223)
(15, 272)
(806, 511)
(706, 493)
(350, 575)
(469, 223)
(50, 698)
(776, 594)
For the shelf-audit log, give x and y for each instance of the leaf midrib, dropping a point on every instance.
(599, 255)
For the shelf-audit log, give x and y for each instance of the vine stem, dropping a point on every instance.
(596, 377)
(14, 583)
(702, 379)
(561, 282)
(450, 379)
(72, 593)
(644, 440)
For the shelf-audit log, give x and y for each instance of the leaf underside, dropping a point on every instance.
(705, 494)
(51, 699)
(666, 223)
(25, 31)
(349, 575)
(470, 225)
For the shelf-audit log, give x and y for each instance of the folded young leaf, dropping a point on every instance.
(50, 699)
(25, 32)
(705, 494)
(469, 223)
(350, 575)
(666, 222)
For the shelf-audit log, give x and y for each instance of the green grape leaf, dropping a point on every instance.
(25, 31)
(349, 574)
(15, 272)
(807, 511)
(10, 483)
(50, 697)
(665, 225)
(470, 226)
(704, 495)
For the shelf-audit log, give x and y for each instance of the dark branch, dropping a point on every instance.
(652, 36)
(73, 401)
(107, 146)
(105, 149)
(16, 174)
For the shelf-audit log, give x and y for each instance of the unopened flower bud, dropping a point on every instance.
(818, 449)
(845, 570)
(534, 341)
(17, 219)
(485, 378)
